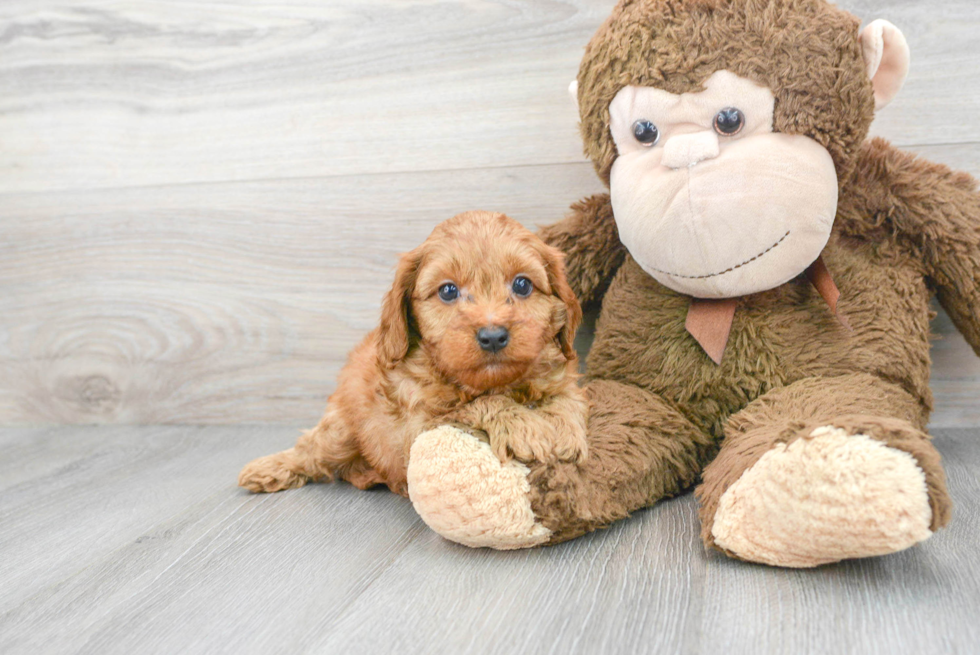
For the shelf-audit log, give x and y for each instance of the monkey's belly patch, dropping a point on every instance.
(727, 270)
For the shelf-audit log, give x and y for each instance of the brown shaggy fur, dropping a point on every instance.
(423, 366)
(861, 403)
(805, 51)
(905, 229)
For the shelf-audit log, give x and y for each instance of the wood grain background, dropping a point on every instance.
(201, 203)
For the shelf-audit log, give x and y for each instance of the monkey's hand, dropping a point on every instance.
(590, 240)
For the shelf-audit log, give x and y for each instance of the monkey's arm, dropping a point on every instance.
(590, 241)
(932, 212)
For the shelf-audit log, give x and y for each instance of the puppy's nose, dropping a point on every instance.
(492, 338)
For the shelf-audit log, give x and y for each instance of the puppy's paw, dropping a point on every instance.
(534, 438)
(270, 473)
(571, 444)
(527, 440)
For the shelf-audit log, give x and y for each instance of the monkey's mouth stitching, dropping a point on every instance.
(727, 270)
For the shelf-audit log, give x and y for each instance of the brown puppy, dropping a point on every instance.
(477, 331)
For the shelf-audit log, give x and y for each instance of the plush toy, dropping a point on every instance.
(764, 275)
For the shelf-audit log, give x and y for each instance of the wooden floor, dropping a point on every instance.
(136, 540)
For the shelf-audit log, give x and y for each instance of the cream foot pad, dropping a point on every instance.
(824, 498)
(463, 492)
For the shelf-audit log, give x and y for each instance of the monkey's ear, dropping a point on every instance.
(573, 91)
(886, 54)
(395, 309)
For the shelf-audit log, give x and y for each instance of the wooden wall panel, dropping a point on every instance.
(219, 303)
(201, 203)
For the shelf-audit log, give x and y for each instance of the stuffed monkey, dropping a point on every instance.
(763, 274)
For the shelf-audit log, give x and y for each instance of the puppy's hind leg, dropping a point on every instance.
(316, 456)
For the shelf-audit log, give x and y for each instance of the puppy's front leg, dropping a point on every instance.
(554, 430)
(520, 432)
(490, 415)
(568, 416)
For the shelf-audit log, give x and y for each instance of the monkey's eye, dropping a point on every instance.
(522, 286)
(448, 292)
(646, 132)
(729, 121)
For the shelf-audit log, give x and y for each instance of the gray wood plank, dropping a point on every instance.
(632, 588)
(228, 303)
(100, 537)
(91, 491)
(130, 93)
(230, 574)
(942, 37)
(133, 93)
(199, 566)
(955, 377)
(237, 303)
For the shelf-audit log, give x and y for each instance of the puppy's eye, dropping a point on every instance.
(646, 132)
(448, 292)
(522, 286)
(729, 121)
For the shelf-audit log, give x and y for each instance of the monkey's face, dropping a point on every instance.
(709, 200)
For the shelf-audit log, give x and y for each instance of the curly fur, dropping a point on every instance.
(423, 366)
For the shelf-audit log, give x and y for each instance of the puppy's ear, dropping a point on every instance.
(554, 263)
(396, 310)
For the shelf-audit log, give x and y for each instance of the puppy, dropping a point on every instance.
(477, 332)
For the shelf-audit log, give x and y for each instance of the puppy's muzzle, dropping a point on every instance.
(493, 338)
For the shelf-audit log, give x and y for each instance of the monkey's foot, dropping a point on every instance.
(824, 498)
(463, 492)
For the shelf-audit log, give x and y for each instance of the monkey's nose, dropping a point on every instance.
(492, 338)
(686, 150)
